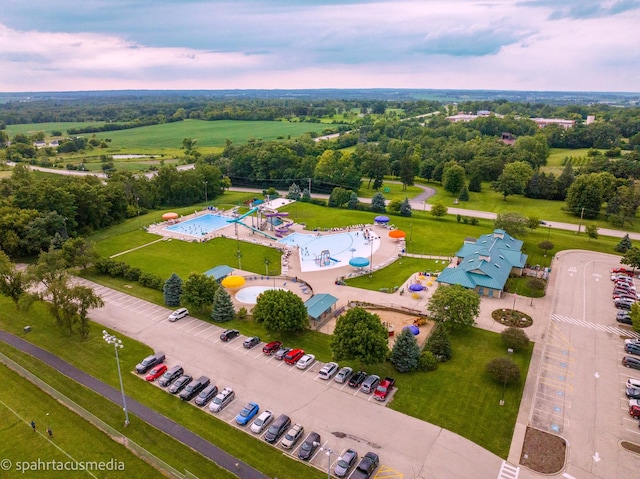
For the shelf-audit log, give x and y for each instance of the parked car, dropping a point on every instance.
(206, 395)
(343, 375)
(170, 376)
(251, 342)
(305, 361)
(262, 421)
(309, 446)
(632, 341)
(369, 384)
(622, 314)
(357, 379)
(634, 402)
(624, 319)
(345, 463)
(292, 436)
(192, 389)
(247, 413)
(156, 372)
(179, 384)
(621, 271)
(222, 400)
(366, 466)
(277, 428)
(632, 349)
(178, 314)
(149, 362)
(281, 353)
(384, 389)
(292, 356)
(631, 362)
(633, 393)
(271, 347)
(623, 305)
(633, 383)
(229, 334)
(634, 411)
(328, 370)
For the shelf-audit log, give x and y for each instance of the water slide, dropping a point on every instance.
(333, 259)
(239, 221)
(283, 229)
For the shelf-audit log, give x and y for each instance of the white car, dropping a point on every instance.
(305, 361)
(178, 314)
(222, 400)
(328, 370)
(633, 383)
(262, 421)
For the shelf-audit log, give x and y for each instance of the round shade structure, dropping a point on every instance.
(359, 262)
(381, 219)
(397, 234)
(233, 281)
(415, 330)
(416, 287)
(170, 216)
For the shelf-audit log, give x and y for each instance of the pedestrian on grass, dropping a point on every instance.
(50, 432)
(33, 426)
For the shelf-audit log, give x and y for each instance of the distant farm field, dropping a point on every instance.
(48, 128)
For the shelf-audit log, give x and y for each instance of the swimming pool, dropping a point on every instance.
(200, 225)
(341, 247)
(249, 295)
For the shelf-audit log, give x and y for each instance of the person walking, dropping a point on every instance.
(33, 426)
(50, 432)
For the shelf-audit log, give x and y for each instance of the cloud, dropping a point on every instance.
(582, 9)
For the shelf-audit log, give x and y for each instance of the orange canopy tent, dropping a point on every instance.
(397, 234)
(233, 282)
(170, 216)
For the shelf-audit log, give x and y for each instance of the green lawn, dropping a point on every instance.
(96, 358)
(47, 128)
(395, 191)
(74, 438)
(396, 274)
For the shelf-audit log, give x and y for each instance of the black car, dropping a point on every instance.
(149, 362)
(251, 342)
(357, 379)
(206, 395)
(229, 334)
(179, 384)
(194, 387)
(624, 319)
(366, 466)
(631, 362)
(170, 375)
(633, 393)
(309, 446)
(281, 353)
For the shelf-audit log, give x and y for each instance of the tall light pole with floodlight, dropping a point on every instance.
(504, 385)
(117, 344)
(328, 451)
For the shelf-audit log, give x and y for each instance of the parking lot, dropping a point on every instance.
(344, 417)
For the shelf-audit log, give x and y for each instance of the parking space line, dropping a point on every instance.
(199, 324)
(186, 323)
(204, 330)
(259, 355)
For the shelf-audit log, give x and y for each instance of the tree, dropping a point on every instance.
(198, 291)
(394, 205)
(172, 290)
(81, 299)
(514, 179)
(378, 203)
(222, 309)
(464, 193)
(564, 181)
(624, 244)
(515, 338)
(79, 252)
(294, 192)
(454, 306)
(585, 195)
(513, 223)
(632, 257)
(438, 209)
(360, 336)
(13, 283)
(339, 197)
(281, 310)
(546, 246)
(373, 163)
(504, 371)
(406, 352)
(407, 171)
(405, 208)
(353, 201)
(592, 232)
(635, 316)
(475, 183)
(533, 222)
(532, 149)
(453, 178)
(439, 344)
(427, 362)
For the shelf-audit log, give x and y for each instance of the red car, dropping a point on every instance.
(293, 356)
(271, 347)
(156, 372)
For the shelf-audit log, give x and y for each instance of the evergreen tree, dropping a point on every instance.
(172, 290)
(564, 181)
(405, 352)
(306, 195)
(405, 208)
(624, 244)
(378, 203)
(294, 192)
(475, 183)
(439, 344)
(464, 193)
(353, 201)
(223, 309)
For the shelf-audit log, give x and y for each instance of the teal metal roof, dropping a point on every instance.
(219, 272)
(319, 303)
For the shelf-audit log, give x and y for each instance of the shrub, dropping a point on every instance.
(152, 281)
(439, 344)
(515, 338)
(503, 370)
(427, 362)
(133, 274)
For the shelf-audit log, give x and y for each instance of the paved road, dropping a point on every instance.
(204, 447)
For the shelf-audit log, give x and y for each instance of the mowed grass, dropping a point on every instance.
(97, 358)
(461, 397)
(395, 191)
(396, 274)
(74, 438)
(48, 127)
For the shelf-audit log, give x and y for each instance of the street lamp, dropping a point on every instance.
(206, 198)
(117, 344)
(328, 451)
(138, 210)
(504, 385)
(371, 258)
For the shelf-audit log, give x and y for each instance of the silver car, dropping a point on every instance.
(345, 463)
(292, 436)
(328, 370)
(369, 384)
(262, 421)
(344, 374)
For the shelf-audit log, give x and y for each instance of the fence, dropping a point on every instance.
(97, 422)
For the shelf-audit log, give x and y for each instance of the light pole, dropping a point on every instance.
(328, 451)
(117, 344)
(138, 210)
(266, 266)
(410, 232)
(206, 197)
(504, 385)
(371, 258)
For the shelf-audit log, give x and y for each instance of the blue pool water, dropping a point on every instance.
(200, 225)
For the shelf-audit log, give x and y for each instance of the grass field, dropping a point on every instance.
(48, 128)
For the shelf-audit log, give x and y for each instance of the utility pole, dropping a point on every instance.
(309, 186)
(581, 217)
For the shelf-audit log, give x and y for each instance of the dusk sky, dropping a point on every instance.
(566, 45)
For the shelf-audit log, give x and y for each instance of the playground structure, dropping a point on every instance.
(325, 259)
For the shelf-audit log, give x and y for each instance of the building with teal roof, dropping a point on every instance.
(485, 264)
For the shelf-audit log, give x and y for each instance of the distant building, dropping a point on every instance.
(485, 265)
(507, 138)
(542, 122)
